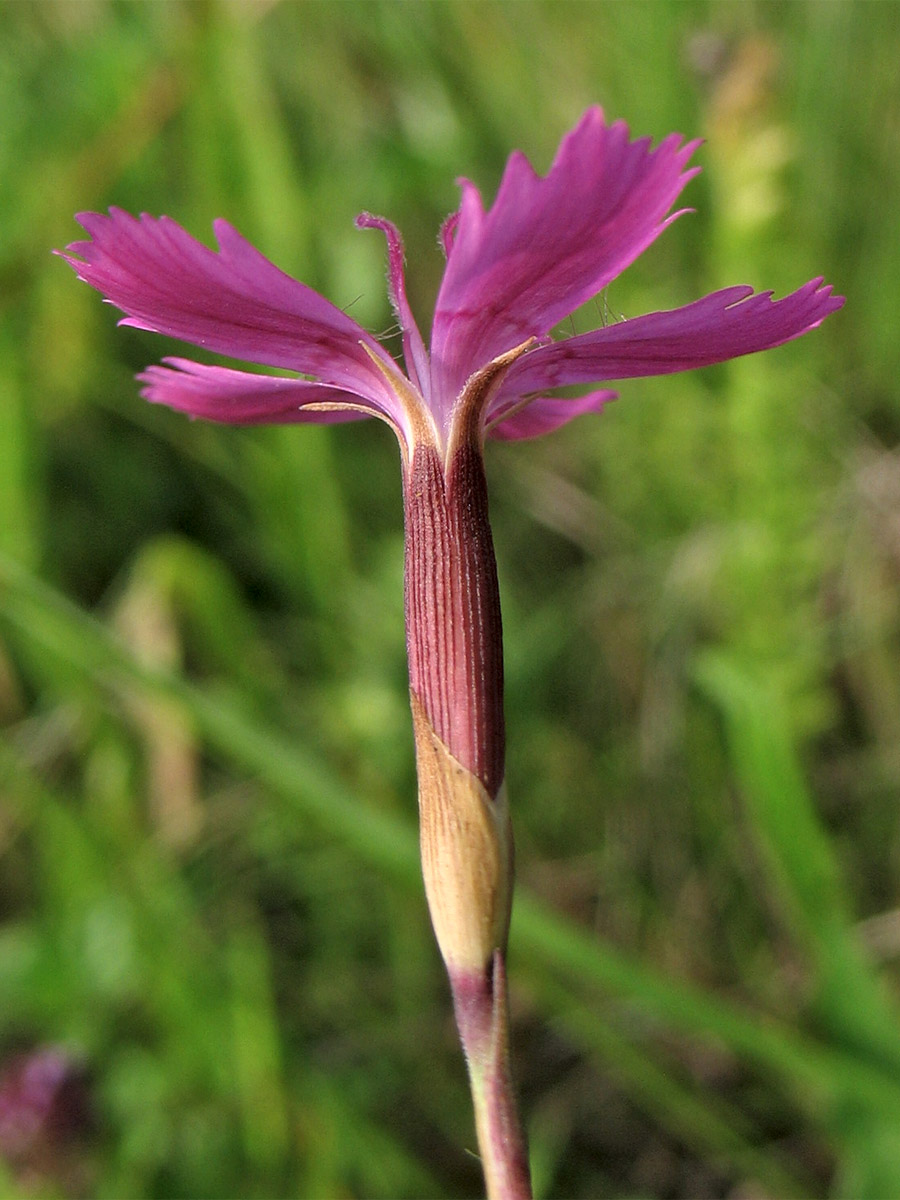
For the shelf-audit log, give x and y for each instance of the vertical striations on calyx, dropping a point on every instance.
(453, 627)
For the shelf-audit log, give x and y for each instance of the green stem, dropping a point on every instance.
(481, 1004)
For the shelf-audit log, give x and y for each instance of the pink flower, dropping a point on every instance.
(44, 1107)
(514, 272)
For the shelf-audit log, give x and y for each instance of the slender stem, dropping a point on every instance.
(455, 648)
(481, 1004)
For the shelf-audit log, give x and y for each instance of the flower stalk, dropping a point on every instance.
(481, 1006)
(455, 651)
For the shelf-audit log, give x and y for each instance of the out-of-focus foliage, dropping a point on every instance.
(209, 897)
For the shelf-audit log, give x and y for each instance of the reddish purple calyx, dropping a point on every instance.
(453, 627)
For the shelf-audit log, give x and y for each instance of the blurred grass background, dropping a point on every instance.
(209, 895)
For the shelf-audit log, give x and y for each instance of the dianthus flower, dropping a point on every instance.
(492, 369)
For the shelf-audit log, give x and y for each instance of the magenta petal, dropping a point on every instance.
(721, 326)
(548, 243)
(544, 414)
(242, 398)
(414, 350)
(234, 302)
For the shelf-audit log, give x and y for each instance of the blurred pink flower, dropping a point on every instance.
(44, 1106)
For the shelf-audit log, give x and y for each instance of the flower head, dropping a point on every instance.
(514, 271)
